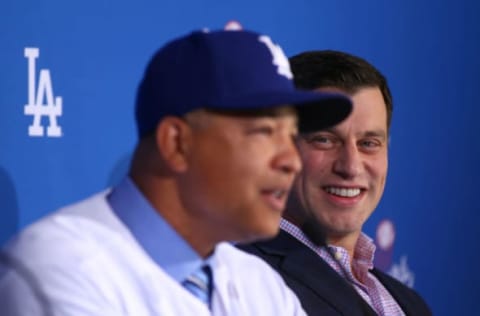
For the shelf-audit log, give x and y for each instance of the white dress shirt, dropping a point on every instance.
(84, 260)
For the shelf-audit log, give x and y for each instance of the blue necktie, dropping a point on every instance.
(200, 284)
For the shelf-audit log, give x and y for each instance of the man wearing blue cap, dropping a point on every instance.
(214, 164)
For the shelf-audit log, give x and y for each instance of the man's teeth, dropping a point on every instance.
(343, 192)
(278, 193)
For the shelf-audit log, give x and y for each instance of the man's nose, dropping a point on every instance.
(348, 163)
(288, 158)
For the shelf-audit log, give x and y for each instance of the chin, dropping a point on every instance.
(271, 232)
(262, 234)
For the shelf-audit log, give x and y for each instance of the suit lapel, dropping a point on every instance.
(397, 293)
(305, 266)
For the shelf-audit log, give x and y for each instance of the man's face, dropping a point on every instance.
(241, 169)
(345, 167)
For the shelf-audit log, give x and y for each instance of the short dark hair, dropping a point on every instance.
(329, 68)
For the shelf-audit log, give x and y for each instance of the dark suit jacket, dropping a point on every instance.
(321, 290)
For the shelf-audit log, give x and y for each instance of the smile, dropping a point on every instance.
(343, 192)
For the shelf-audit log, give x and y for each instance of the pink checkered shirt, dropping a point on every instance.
(366, 284)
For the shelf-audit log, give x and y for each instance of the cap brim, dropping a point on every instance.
(326, 112)
(316, 110)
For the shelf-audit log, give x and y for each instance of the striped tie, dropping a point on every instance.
(199, 284)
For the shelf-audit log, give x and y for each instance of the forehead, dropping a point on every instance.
(226, 120)
(277, 111)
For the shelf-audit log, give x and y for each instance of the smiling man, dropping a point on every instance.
(321, 251)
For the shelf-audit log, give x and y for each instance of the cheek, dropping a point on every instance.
(254, 158)
(236, 174)
(379, 168)
(314, 164)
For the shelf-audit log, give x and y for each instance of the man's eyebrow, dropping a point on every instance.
(369, 133)
(375, 133)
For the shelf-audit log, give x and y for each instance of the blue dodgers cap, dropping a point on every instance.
(228, 70)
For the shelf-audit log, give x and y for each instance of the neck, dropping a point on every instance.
(162, 194)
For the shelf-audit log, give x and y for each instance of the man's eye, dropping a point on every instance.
(262, 130)
(370, 144)
(321, 141)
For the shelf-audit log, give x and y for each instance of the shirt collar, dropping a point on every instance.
(296, 232)
(364, 251)
(364, 248)
(159, 240)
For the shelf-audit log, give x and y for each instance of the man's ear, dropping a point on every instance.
(173, 138)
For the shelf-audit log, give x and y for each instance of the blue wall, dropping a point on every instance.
(96, 50)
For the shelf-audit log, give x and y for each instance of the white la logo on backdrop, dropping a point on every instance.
(43, 91)
(279, 58)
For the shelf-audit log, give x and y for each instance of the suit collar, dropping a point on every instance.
(305, 266)
(395, 289)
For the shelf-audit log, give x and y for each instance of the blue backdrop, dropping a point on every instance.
(91, 55)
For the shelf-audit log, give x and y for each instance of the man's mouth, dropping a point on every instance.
(276, 198)
(279, 193)
(343, 192)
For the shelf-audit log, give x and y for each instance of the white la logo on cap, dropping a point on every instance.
(279, 58)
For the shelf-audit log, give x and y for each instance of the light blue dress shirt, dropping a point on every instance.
(162, 243)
